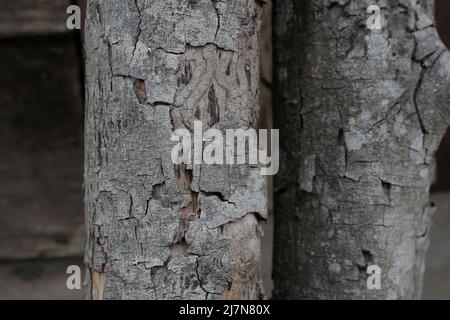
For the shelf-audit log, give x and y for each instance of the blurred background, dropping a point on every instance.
(41, 154)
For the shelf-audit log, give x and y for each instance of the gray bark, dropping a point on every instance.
(25, 18)
(156, 230)
(361, 115)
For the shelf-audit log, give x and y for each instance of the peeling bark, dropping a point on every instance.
(361, 115)
(156, 230)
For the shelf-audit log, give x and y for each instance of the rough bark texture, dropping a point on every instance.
(361, 115)
(159, 231)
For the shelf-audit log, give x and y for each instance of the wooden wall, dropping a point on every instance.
(41, 148)
(443, 155)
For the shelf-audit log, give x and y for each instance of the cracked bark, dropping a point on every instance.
(155, 230)
(361, 115)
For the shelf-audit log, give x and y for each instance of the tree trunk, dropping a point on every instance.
(361, 114)
(158, 230)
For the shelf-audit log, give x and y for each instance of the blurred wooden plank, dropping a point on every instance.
(29, 17)
(442, 18)
(443, 168)
(265, 117)
(41, 148)
(265, 121)
(38, 280)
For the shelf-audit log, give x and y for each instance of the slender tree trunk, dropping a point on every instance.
(158, 230)
(361, 114)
